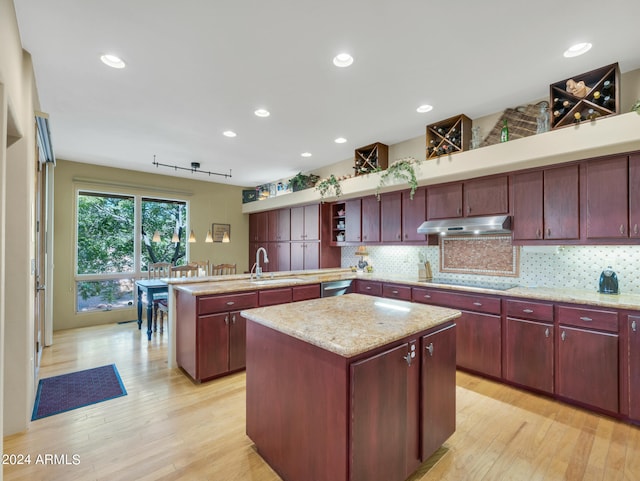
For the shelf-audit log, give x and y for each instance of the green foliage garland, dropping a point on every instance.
(325, 186)
(400, 171)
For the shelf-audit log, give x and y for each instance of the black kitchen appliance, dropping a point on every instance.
(608, 283)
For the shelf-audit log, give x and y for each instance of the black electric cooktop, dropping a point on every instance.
(498, 286)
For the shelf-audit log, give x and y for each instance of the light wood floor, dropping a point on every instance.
(168, 428)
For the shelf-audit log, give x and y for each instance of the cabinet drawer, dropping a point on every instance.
(396, 292)
(534, 311)
(302, 293)
(372, 288)
(227, 302)
(469, 302)
(271, 297)
(588, 318)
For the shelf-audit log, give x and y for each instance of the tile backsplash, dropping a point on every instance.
(566, 266)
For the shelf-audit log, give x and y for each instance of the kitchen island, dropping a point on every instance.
(350, 388)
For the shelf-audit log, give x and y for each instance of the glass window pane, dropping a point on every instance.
(165, 217)
(105, 233)
(104, 295)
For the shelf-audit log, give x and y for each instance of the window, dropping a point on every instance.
(115, 245)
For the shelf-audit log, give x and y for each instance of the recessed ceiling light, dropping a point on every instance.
(306, 154)
(342, 60)
(262, 113)
(340, 140)
(424, 108)
(229, 133)
(112, 61)
(577, 49)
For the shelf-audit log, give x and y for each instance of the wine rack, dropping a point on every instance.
(601, 97)
(448, 136)
(371, 158)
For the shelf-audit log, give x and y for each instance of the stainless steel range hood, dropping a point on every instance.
(500, 224)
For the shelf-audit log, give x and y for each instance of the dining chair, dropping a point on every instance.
(203, 266)
(223, 269)
(189, 270)
(157, 270)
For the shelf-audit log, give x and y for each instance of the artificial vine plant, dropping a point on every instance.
(400, 171)
(331, 183)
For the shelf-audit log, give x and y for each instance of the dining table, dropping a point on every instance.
(151, 290)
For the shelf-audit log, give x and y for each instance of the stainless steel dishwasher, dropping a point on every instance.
(335, 288)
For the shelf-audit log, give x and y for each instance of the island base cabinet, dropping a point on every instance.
(438, 389)
(634, 367)
(587, 367)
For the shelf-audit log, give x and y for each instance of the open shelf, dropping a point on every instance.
(601, 97)
(448, 136)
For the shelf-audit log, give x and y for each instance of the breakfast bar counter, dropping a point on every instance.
(349, 388)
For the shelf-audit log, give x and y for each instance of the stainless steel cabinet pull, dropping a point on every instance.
(468, 209)
(430, 348)
(408, 359)
(546, 332)
(477, 303)
(226, 320)
(563, 336)
(635, 229)
(230, 303)
(621, 229)
(548, 232)
(586, 319)
(427, 296)
(634, 326)
(233, 319)
(538, 233)
(394, 292)
(459, 211)
(368, 288)
(528, 311)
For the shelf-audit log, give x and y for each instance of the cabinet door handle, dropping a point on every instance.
(586, 319)
(458, 211)
(635, 229)
(408, 358)
(477, 304)
(548, 232)
(230, 303)
(233, 319)
(364, 237)
(394, 291)
(399, 237)
(538, 233)
(563, 336)
(621, 229)
(427, 296)
(368, 288)
(430, 348)
(528, 311)
(468, 209)
(546, 332)
(226, 320)
(634, 326)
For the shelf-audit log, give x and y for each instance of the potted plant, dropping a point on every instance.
(400, 171)
(303, 181)
(329, 184)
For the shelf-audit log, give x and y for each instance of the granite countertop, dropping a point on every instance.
(224, 284)
(351, 324)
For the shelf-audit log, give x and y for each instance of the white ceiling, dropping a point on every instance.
(196, 68)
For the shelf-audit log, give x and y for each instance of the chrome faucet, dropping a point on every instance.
(266, 261)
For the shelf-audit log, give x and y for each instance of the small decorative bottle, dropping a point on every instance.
(475, 137)
(543, 120)
(504, 133)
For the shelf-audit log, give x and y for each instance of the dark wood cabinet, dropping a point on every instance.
(210, 336)
(438, 389)
(606, 198)
(486, 196)
(372, 288)
(444, 201)
(271, 297)
(527, 201)
(529, 345)
(414, 213)
(378, 441)
(475, 197)
(587, 358)
(279, 225)
(305, 255)
(353, 220)
(396, 291)
(305, 223)
(633, 356)
(370, 219)
(303, 293)
(634, 196)
(391, 217)
(561, 203)
(258, 227)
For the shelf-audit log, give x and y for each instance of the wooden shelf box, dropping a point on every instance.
(448, 136)
(371, 158)
(602, 97)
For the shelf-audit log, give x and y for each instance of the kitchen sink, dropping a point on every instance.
(276, 280)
